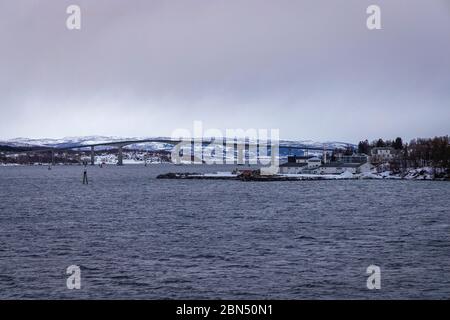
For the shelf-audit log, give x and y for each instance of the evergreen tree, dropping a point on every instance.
(364, 147)
(398, 144)
(380, 143)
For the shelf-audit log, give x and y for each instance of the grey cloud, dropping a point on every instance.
(310, 68)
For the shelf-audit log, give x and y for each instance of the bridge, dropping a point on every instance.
(174, 142)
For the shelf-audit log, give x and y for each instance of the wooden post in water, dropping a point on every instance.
(235, 152)
(224, 150)
(85, 178)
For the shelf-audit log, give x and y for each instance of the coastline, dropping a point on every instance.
(416, 174)
(422, 175)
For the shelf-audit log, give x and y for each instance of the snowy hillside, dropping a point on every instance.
(88, 140)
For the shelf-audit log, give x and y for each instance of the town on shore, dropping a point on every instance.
(427, 159)
(422, 158)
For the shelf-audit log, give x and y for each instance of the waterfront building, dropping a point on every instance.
(340, 167)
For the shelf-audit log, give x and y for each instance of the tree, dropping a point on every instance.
(429, 152)
(397, 144)
(364, 147)
(380, 143)
(348, 151)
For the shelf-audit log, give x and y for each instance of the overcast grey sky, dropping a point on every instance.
(144, 68)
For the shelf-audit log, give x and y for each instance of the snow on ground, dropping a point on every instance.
(220, 174)
(344, 175)
(132, 161)
(425, 173)
(370, 175)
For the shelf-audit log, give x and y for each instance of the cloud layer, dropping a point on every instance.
(142, 68)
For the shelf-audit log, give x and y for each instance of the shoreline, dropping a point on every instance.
(289, 177)
(417, 174)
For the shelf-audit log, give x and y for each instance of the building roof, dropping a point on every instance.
(383, 148)
(293, 164)
(342, 165)
(356, 155)
(304, 157)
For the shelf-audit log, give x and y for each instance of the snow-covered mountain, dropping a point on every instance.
(84, 140)
(63, 142)
(88, 140)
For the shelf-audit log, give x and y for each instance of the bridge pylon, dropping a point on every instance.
(120, 156)
(92, 156)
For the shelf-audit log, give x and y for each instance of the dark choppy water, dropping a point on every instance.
(138, 237)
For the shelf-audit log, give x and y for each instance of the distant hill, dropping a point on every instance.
(27, 143)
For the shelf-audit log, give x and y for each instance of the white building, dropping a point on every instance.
(354, 158)
(300, 164)
(299, 159)
(293, 167)
(380, 154)
(314, 162)
(339, 167)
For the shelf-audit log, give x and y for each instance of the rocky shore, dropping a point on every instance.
(255, 175)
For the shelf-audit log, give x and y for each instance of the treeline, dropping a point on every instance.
(30, 158)
(365, 146)
(433, 152)
(420, 152)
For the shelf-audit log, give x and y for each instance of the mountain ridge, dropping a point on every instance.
(95, 139)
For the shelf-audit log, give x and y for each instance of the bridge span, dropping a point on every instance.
(193, 142)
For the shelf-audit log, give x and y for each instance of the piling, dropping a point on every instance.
(85, 178)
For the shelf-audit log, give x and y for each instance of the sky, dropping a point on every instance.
(311, 69)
